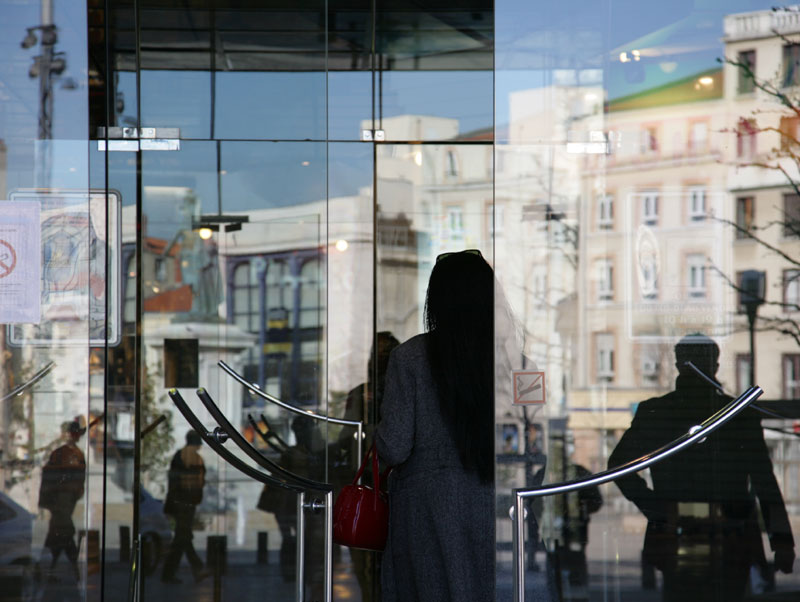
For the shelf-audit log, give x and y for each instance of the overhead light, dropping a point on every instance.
(623, 57)
(418, 158)
(205, 233)
(636, 55)
(706, 80)
(341, 245)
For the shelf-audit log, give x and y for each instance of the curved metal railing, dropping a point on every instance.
(243, 444)
(695, 434)
(216, 439)
(279, 445)
(308, 413)
(18, 390)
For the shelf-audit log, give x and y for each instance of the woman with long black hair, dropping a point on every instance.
(437, 430)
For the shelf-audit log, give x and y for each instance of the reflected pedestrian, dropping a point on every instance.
(186, 480)
(62, 486)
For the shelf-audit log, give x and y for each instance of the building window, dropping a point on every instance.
(539, 285)
(605, 280)
(496, 219)
(649, 140)
(246, 297)
(791, 214)
(788, 130)
(744, 216)
(791, 290)
(791, 65)
(129, 303)
(698, 137)
(746, 138)
(650, 208)
(455, 222)
(452, 163)
(791, 376)
(605, 356)
(605, 212)
(697, 203)
(742, 372)
(650, 366)
(696, 264)
(747, 72)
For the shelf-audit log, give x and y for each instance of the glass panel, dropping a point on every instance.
(424, 211)
(54, 242)
(640, 173)
(434, 71)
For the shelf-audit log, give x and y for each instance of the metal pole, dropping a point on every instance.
(751, 318)
(300, 561)
(329, 546)
(519, 548)
(360, 435)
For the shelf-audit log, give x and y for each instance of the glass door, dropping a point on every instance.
(645, 169)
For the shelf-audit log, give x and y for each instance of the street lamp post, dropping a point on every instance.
(751, 295)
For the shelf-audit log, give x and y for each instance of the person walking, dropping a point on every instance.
(62, 486)
(184, 492)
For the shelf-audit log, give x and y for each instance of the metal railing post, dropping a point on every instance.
(300, 573)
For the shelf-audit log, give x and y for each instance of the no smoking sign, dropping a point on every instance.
(8, 258)
(528, 387)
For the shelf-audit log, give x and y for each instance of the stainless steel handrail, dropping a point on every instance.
(33, 380)
(308, 413)
(695, 434)
(719, 388)
(133, 575)
(251, 451)
(215, 441)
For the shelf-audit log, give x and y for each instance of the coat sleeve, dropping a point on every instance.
(395, 434)
(765, 485)
(631, 446)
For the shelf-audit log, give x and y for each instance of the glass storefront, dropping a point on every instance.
(268, 185)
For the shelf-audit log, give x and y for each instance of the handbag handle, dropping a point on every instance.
(376, 478)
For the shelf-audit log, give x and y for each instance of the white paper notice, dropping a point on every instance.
(20, 262)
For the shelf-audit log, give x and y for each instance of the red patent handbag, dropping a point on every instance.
(361, 513)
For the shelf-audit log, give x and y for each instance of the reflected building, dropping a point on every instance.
(279, 181)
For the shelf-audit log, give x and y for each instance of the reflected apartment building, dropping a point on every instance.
(666, 223)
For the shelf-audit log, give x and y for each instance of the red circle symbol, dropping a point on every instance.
(8, 259)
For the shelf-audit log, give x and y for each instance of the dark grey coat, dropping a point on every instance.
(441, 524)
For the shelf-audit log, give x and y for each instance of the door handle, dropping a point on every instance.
(252, 452)
(308, 414)
(688, 439)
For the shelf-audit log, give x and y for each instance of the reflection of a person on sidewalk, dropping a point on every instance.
(703, 529)
(186, 479)
(362, 402)
(575, 509)
(62, 486)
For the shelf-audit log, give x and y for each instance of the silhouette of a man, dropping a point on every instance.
(62, 486)
(186, 479)
(703, 531)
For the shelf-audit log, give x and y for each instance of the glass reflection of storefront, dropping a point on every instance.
(270, 186)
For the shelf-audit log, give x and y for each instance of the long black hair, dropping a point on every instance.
(459, 316)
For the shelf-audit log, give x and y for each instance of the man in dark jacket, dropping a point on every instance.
(62, 486)
(184, 492)
(703, 531)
